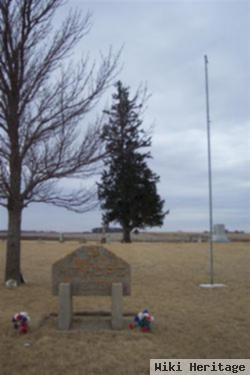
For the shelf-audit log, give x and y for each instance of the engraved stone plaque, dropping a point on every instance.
(91, 271)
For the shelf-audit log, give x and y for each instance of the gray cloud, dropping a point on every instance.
(164, 44)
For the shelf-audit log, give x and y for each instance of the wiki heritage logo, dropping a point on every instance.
(199, 366)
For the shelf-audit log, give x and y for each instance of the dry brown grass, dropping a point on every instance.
(190, 322)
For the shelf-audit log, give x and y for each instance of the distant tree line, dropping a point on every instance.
(107, 230)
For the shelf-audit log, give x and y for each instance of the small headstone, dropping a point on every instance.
(106, 239)
(219, 234)
(199, 239)
(103, 240)
(61, 237)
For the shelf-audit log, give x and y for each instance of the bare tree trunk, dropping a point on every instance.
(12, 268)
(41, 113)
(126, 234)
(15, 206)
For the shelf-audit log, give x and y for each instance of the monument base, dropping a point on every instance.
(211, 286)
(89, 321)
(220, 239)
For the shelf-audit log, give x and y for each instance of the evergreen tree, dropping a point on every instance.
(127, 190)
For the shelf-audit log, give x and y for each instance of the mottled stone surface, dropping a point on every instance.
(91, 270)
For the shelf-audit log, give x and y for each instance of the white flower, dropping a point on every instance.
(24, 313)
(140, 315)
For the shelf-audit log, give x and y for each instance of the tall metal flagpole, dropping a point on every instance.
(211, 270)
(209, 176)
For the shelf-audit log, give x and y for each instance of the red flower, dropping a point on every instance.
(131, 326)
(145, 329)
(23, 328)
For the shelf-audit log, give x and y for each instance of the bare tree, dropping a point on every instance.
(42, 103)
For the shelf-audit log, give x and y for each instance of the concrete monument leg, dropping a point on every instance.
(65, 306)
(117, 306)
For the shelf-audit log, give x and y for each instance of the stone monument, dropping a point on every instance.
(61, 237)
(219, 233)
(90, 271)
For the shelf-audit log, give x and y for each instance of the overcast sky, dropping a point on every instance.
(164, 45)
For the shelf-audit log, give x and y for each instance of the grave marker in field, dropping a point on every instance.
(219, 234)
(90, 271)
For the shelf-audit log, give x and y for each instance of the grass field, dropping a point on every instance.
(190, 322)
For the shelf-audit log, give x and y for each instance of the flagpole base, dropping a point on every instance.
(212, 286)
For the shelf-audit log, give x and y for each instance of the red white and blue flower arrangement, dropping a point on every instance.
(142, 321)
(21, 322)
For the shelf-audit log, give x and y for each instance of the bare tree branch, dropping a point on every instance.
(80, 201)
(43, 101)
